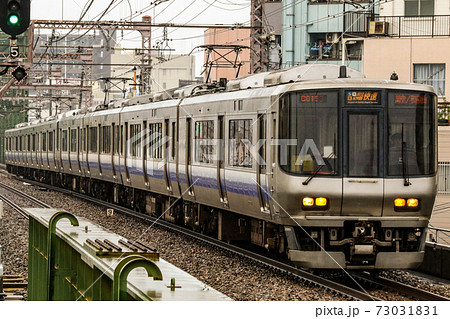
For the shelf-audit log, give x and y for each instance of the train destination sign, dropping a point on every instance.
(313, 98)
(362, 97)
(410, 99)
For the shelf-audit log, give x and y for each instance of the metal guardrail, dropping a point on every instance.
(444, 177)
(357, 22)
(439, 236)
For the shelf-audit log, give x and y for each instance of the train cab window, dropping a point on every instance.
(155, 141)
(411, 136)
(106, 139)
(204, 142)
(308, 136)
(240, 143)
(50, 141)
(64, 140)
(73, 140)
(93, 139)
(44, 142)
(135, 140)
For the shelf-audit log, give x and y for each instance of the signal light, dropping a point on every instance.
(19, 73)
(14, 16)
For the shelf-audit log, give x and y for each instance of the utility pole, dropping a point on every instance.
(259, 55)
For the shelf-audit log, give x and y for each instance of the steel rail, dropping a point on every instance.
(14, 206)
(404, 289)
(266, 261)
(25, 195)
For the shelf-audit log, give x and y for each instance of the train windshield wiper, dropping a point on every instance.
(306, 182)
(405, 167)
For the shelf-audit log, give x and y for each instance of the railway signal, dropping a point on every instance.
(19, 73)
(14, 16)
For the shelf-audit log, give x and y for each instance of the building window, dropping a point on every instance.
(431, 74)
(419, 7)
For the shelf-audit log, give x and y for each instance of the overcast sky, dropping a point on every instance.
(174, 11)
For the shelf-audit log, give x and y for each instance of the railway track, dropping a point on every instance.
(341, 289)
(407, 290)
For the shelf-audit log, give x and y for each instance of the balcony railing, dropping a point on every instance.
(399, 26)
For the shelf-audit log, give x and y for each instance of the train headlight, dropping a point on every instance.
(406, 205)
(321, 201)
(412, 202)
(315, 203)
(399, 202)
(308, 201)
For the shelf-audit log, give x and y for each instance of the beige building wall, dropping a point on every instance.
(382, 56)
(397, 8)
(167, 75)
(231, 37)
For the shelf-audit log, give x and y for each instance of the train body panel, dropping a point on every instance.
(338, 173)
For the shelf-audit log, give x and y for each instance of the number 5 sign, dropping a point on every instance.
(14, 51)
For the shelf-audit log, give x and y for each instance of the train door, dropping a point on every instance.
(100, 149)
(362, 183)
(188, 157)
(220, 162)
(115, 137)
(261, 176)
(166, 155)
(79, 147)
(126, 151)
(144, 143)
(69, 146)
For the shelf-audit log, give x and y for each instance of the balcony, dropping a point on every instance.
(358, 24)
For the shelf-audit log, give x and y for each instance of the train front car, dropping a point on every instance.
(356, 179)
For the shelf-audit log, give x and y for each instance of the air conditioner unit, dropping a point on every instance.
(332, 38)
(378, 28)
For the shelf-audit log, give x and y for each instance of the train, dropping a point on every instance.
(317, 162)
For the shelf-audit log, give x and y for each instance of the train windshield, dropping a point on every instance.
(309, 133)
(411, 134)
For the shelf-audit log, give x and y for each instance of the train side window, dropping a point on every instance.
(34, 143)
(135, 140)
(64, 141)
(155, 140)
(106, 139)
(44, 142)
(121, 140)
(93, 139)
(204, 142)
(73, 140)
(174, 149)
(83, 139)
(50, 141)
(116, 139)
(57, 138)
(28, 142)
(240, 143)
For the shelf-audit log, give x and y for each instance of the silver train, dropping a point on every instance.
(335, 170)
